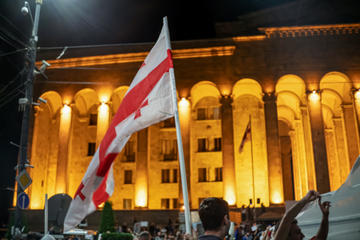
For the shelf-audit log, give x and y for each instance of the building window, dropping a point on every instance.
(169, 149)
(202, 145)
(175, 202)
(165, 175)
(217, 114)
(202, 175)
(128, 177)
(208, 113)
(93, 120)
(218, 174)
(168, 123)
(201, 113)
(165, 203)
(91, 148)
(175, 176)
(127, 203)
(217, 144)
(129, 152)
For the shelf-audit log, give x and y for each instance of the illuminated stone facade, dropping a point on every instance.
(295, 85)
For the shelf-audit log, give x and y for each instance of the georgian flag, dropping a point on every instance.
(246, 136)
(148, 101)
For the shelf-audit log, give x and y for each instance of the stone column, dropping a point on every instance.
(296, 168)
(352, 133)
(341, 148)
(308, 151)
(64, 134)
(332, 155)
(319, 147)
(227, 145)
(141, 174)
(303, 165)
(273, 149)
(184, 107)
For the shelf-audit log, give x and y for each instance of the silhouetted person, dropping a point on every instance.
(288, 228)
(144, 236)
(214, 216)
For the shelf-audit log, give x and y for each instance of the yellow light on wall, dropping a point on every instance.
(276, 198)
(141, 198)
(314, 96)
(103, 122)
(230, 196)
(104, 109)
(35, 203)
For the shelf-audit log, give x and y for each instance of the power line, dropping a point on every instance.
(12, 80)
(95, 46)
(13, 52)
(10, 35)
(12, 25)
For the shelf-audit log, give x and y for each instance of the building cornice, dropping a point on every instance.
(138, 57)
(316, 30)
(249, 38)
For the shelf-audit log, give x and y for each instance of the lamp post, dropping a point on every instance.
(25, 104)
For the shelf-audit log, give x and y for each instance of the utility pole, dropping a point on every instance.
(25, 104)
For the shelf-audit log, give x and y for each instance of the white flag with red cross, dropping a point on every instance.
(148, 100)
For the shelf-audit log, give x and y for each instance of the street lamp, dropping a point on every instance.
(26, 103)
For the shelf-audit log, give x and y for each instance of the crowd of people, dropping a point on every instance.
(215, 224)
(214, 215)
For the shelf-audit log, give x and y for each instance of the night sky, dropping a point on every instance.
(89, 22)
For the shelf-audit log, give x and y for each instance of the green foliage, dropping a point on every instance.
(107, 219)
(116, 236)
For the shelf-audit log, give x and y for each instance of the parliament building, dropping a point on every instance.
(294, 88)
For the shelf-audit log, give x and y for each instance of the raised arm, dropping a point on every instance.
(288, 218)
(324, 226)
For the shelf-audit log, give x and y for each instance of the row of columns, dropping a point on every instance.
(315, 150)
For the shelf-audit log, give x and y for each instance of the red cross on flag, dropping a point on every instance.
(148, 100)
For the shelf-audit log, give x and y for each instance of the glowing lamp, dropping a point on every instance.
(66, 110)
(141, 198)
(314, 96)
(184, 103)
(357, 95)
(276, 198)
(104, 99)
(103, 109)
(101, 205)
(230, 196)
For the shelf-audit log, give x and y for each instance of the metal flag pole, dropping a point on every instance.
(179, 140)
(252, 164)
(46, 214)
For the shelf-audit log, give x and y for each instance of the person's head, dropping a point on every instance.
(295, 232)
(144, 236)
(214, 215)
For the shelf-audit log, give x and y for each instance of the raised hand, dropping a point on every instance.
(324, 207)
(311, 196)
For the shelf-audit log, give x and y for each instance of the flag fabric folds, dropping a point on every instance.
(147, 101)
(246, 136)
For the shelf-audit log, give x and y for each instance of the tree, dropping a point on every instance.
(107, 219)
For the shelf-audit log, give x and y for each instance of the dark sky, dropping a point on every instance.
(84, 22)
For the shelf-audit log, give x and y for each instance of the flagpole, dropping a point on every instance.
(252, 164)
(179, 140)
